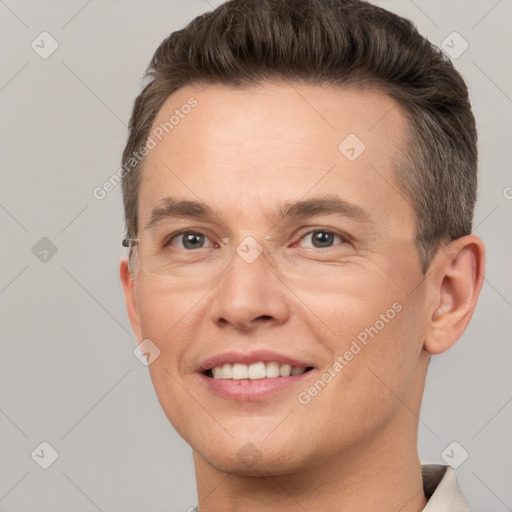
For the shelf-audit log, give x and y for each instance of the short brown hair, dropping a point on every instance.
(334, 43)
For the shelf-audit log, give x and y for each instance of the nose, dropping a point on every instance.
(249, 295)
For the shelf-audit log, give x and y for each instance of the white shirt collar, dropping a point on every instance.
(442, 490)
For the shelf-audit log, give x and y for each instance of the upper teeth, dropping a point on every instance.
(258, 370)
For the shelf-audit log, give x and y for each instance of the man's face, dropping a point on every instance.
(342, 286)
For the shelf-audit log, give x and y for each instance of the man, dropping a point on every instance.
(299, 184)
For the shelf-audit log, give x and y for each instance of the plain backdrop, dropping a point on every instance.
(68, 374)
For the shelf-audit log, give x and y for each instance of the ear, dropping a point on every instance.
(129, 295)
(459, 276)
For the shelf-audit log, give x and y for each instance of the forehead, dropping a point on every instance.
(244, 150)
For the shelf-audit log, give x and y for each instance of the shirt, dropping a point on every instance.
(441, 490)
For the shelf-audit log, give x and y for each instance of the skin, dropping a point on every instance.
(354, 445)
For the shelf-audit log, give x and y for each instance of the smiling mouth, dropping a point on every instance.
(255, 371)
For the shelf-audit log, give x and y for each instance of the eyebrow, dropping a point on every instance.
(171, 208)
(327, 205)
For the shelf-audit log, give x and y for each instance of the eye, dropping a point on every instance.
(189, 240)
(320, 238)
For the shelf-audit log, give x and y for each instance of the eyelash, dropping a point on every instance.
(344, 238)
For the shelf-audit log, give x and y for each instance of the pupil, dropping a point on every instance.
(322, 239)
(193, 241)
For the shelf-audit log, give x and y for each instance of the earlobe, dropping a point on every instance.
(458, 281)
(128, 283)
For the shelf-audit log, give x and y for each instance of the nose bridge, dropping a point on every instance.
(250, 289)
(248, 267)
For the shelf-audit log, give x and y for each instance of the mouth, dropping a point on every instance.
(255, 371)
(255, 376)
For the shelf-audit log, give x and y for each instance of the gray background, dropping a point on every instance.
(68, 373)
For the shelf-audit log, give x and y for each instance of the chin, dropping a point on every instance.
(249, 461)
(240, 456)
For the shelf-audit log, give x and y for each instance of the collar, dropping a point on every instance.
(442, 490)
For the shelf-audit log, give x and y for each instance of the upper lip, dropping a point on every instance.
(250, 358)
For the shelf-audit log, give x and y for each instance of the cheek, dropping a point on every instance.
(164, 312)
(380, 336)
(376, 333)
(373, 383)
(166, 318)
(393, 343)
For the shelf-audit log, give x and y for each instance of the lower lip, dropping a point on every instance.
(251, 389)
